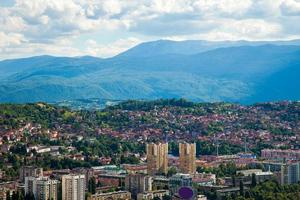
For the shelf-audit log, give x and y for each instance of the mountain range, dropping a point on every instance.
(202, 71)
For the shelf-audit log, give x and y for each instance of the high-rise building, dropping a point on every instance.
(137, 183)
(290, 173)
(30, 171)
(187, 158)
(30, 186)
(43, 188)
(157, 158)
(286, 173)
(73, 187)
(88, 172)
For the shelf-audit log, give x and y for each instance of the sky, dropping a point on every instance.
(104, 28)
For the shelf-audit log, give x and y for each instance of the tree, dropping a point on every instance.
(21, 195)
(172, 171)
(253, 181)
(228, 197)
(29, 196)
(59, 191)
(166, 197)
(92, 185)
(241, 188)
(87, 195)
(233, 181)
(247, 194)
(15, 195)
(8, 195)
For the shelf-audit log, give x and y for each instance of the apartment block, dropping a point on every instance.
(157, 158)
(124, 195)
(43, 188)
(138, 183)
(187, 158)
(30, 171)
(73, 187)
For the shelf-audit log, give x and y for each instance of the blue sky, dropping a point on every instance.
(105, 28)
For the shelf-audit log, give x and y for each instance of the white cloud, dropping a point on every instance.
(12, 39)
(249, 28)
(231, 29)
(291, 7)
(171, 6)
(44, 24)
(96, 9)
(12, 23)
(16, 46)
(108, 50)
(227, 8)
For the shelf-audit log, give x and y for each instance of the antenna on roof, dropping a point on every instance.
(245, 144)
(217, 143)
(217, 147)
(166, 137)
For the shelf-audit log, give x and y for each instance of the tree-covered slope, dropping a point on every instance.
(243, 74)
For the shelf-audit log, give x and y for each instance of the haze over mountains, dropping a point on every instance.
(242, 71)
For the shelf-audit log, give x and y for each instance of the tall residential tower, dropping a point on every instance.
(43, 188)
(157, 158)
(73, 187)
(187, 158)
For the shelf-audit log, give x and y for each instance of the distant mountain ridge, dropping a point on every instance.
(190, 47)
(242, 71)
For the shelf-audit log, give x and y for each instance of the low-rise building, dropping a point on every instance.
(201, 197)
(124, 195)
(1, 174)
(138, 183)
(114, 180)
(10, 186)
(278, 154)
(135, 169)
(179, 180)
(229, 191)
(3, 192)
(152, 194)
(30, 171)
(259, 174)
(108, 169)
(39, 149)
(248, 172)
(105, 160)
(160, 182)
(204, 179)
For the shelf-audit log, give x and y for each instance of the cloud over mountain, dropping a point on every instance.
(33, 27)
